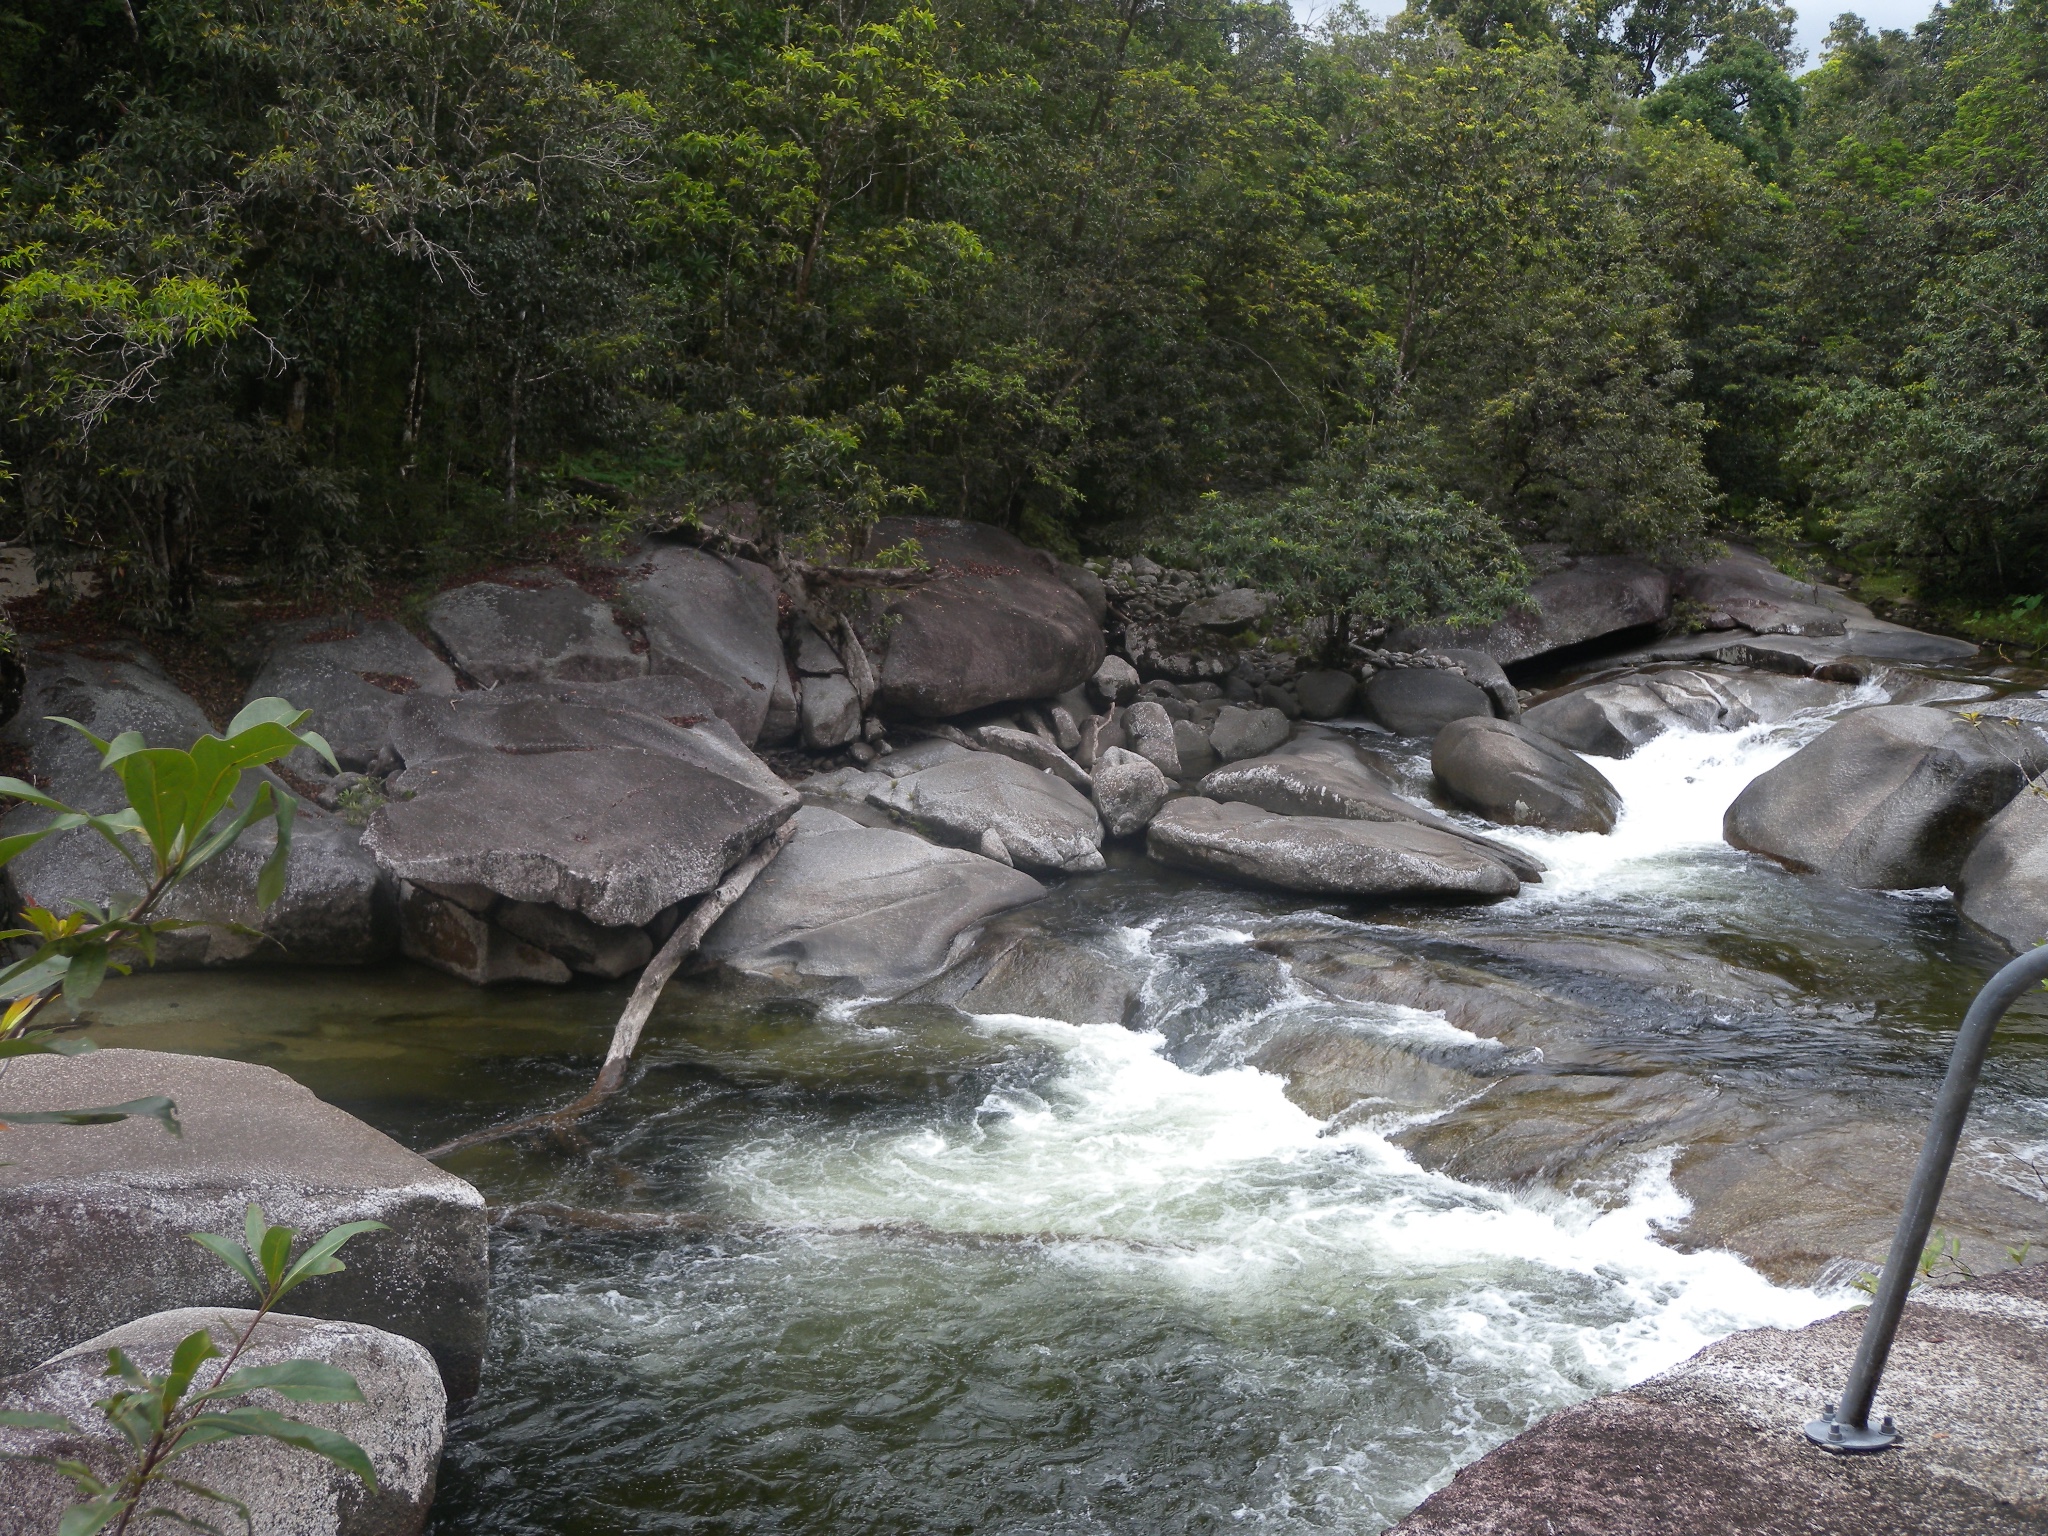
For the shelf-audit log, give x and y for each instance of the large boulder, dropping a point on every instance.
(1509, 774)
(714, 622)
(1420, 701)
(613, 801)
(1490, 677)
(995, 623)
(1590, 598)
(1039, 821)
(538, 628)
(1743, 590)
(1240, 732)
(1326, 695)
(1888, 798)
(400, 1424)
(879, 909)
(1613, 718)
(1016, 967)
(2003, 884)
(1149, 729)
(94, 1218)
(335, 909)
(355, 679)
(1323, 855)
(1327, 776)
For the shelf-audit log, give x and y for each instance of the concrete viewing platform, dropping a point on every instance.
(1714, 1445)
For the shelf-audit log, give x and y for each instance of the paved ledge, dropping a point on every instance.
(1714, 1446)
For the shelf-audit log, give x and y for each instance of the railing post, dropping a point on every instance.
(1846, 1426)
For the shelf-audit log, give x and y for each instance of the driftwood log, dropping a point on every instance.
(640, 1006)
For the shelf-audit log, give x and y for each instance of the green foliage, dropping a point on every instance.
(161, 1417)
(1740, 95)
(181, 814)
(1361, 546)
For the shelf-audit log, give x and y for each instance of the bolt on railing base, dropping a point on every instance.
(1831, 1434)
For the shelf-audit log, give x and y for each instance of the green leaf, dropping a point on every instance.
(155, 1107)
(230, 1254)
(270, 881)
(337, 1448)
(13, 1418)
(93, 1516)
(44, 968)
(276, 1249)
(193, 1351)
(267, 711)
(21, 842)
(87, 970)
(257, 808)
(303, 1381)
(163, 786)
(102, 747)
(320, 1260)
(16, 789)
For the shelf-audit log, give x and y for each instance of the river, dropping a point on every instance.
(860, 1267)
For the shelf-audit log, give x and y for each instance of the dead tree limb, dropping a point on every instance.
(640, 1006)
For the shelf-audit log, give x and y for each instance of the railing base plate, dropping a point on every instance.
(1848, 1439)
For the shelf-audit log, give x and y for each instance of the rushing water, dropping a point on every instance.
(895, 1269)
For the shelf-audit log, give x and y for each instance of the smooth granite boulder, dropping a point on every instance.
(1420, 701)
(876, 908)
(1240, 732)
(610, 800)
(1149, 730)
(1890, 798)
(1612, 719)
(400, 1425)
(335, 910)
(1744, 590)
(1326, 695)
(1114, 682)
(1035, 751)
(995, 623)
(2003, 884)
(355, 679)
(830, 711)
(1489, 677)
(1591, 598)
(1323, 855)
(1042, 822)
(1509, 774)
(93, 1218)
(1128, 791)
(713, 622)
(1327, 776)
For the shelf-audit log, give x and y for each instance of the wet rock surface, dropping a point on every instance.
(1325, 855)
(1042, 822)
(876, 908)
(1887, 798)
(1613, 719)
(96, 1216)
(2003, 884)
(1714, 1445)
(1509, 774)
(400, 1425)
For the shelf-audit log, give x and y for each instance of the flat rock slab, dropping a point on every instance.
(613, 801)
(1324, 855)
(400, 1424)
(355, 680)
(1887, 798)
(1326, 776)
(1714, 1448)
(94, 1218)
(1043, 822)
(540, 630)
(878, 908)
(997, 622)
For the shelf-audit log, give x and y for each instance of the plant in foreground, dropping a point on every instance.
(163, 1419)
(166, 833)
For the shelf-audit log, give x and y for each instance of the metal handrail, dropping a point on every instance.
(1846, 1426)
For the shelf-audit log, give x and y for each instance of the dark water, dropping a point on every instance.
(900, 1270)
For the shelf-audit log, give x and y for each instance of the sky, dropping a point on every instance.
(1814, 20)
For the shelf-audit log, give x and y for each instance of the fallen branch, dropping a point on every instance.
(640, 1006)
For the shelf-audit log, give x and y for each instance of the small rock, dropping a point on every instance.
(451, 938)
(830, 711)
(1226, 611)
(815, 656)
(1191, 745)
(1115, 681)
(1486, 673)
(1149, 729)
(1035, 750)
(1129, 790)
(1509, 774)
(1240, 733)
(1281, 697)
